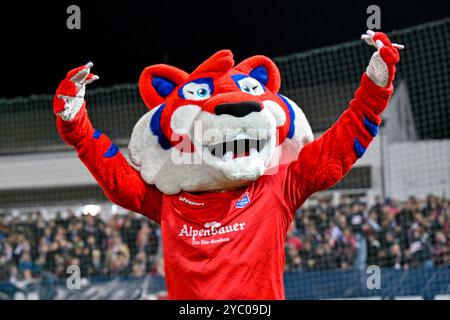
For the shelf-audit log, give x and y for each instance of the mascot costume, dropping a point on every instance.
(222, 161)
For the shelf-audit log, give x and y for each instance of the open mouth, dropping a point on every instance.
(237, 148)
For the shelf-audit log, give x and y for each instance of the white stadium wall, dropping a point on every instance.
(52, 169)
(418, 168)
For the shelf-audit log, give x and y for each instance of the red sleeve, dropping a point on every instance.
(325, 161)
(121, 183)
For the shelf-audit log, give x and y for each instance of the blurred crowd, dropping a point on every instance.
(322, 237)
(122, 245)
(352, 235)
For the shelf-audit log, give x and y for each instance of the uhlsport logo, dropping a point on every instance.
(192, 203)
(243, 201)
(211, 229)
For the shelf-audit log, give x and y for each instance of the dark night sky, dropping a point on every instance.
(122, 38)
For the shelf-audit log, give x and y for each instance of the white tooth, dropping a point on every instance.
(253, 152)
(241, 136)
(228, 156)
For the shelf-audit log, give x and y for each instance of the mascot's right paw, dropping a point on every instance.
(381, 68)
(69, 97)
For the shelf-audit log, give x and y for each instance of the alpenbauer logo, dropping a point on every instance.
(211, 229)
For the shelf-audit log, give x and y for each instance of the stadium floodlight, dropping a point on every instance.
(91, 209)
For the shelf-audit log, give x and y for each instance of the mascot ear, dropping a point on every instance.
(158, 81)
(262, 69)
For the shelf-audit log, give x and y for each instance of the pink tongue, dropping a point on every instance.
(239, 155)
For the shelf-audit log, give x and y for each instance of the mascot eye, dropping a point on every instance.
(202, 92)
(247, 88)
(196, 91)
(251, 86)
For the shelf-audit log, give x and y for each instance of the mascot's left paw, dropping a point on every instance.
(381, 69)
(69, 97)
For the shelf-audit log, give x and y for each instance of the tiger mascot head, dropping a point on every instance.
(218, 128)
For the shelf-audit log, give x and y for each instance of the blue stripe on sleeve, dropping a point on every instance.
(359, 149)
(112, 151)
(371, 127)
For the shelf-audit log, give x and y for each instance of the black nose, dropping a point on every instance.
(237, 109)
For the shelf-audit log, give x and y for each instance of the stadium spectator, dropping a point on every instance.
(351, 235)
(441, 251)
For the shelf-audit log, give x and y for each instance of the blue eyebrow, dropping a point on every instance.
(208, 81)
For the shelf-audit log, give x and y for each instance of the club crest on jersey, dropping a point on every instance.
(243, 201)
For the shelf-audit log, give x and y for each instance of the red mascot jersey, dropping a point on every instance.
(230, 245)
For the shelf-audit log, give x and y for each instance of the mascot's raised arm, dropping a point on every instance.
(222, 161)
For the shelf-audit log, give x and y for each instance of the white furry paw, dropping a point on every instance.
(377, 70)
(70, 94)
(380, 66)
